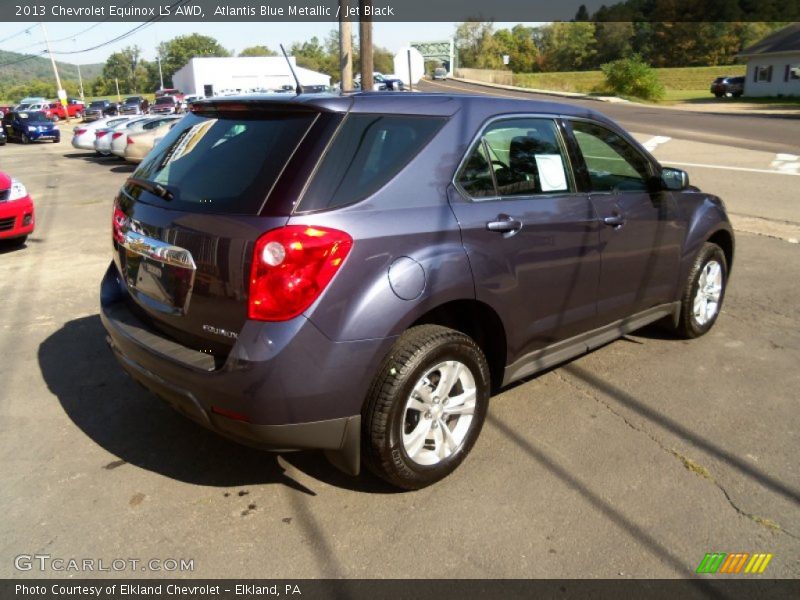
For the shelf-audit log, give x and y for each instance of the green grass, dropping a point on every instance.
(684, 83)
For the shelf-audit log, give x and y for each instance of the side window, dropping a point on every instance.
(522, 157)
(613, 164)
(476, 177)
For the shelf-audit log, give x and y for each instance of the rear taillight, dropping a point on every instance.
(292, 265)
(80, 131)
(130, 140)
(100, 134)
(116, 135)
(118, 222)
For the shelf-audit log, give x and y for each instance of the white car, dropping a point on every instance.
(83, 134)
(119, 137)
(102, 135)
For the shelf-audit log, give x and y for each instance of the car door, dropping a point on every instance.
(531, 237)
(8, 124)
(642, 235)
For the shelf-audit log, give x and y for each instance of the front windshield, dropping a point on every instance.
(34, 117)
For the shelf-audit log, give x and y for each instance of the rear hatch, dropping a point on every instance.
(185, 223)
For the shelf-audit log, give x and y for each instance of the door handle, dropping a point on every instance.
(505, 224)
(615, 220)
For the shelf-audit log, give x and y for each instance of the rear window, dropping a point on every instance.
(368, 151)
(227, 163)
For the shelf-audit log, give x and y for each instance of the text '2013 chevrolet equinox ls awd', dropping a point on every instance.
(358, 273)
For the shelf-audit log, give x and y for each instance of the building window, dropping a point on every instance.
(764, 74)
(794, 72)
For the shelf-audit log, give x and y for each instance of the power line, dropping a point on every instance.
(11, 37)
(124, 35)
(69, 37)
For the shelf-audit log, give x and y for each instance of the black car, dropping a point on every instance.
(360, 273)
(98, 109)
(728, 86)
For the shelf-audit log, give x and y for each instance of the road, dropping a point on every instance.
(758, 132)
(632, 461)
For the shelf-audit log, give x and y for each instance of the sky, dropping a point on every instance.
(71, 37)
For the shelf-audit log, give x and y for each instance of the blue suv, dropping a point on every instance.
(360, 273)
(27, 127)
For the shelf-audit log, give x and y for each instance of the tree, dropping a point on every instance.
(177, 52)
(123, 66)
(569, 46)
(258, 51)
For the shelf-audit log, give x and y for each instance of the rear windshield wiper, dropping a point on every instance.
(152, 187)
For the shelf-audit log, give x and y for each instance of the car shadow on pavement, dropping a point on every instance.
(136, 427)
(126, 168)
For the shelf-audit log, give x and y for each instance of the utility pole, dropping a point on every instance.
(160, 74)
(116, 82)
(80, 79)
(62, 95)
(345, 48)
(365, 42)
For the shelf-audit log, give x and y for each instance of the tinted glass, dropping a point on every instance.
(222, 164)
(475, 177)
(367, 153)
(35, 117)
(613, 164)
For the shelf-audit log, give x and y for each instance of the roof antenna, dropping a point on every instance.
(299, 88)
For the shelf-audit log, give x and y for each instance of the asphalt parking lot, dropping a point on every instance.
(632, 461)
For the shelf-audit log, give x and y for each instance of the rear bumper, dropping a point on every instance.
(283, 385)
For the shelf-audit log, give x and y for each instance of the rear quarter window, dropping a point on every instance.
(367, 152)
(222, 164)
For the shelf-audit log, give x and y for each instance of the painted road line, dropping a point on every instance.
(789, 163)
(653, 142)
(725, 168)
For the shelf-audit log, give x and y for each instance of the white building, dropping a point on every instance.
(773, 64)
(213, 76)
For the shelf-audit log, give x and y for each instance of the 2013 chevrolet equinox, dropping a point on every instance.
(359, 273)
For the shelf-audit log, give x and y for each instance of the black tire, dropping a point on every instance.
(718, 95)
(384, 417)
(25, 139)
(57, 140)
(78, 115)
(688, 324)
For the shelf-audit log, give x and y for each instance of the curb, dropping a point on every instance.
(516, 88)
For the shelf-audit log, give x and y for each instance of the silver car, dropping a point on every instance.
(102, 135)
(83, 134)
(119, 137)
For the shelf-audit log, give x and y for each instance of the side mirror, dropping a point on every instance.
(674, 179)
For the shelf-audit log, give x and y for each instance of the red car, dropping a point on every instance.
(16, 211)
(74, 110)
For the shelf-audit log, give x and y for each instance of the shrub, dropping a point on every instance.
(633, 77)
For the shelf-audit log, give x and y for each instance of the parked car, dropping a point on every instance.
(74, 110)
(382, 83)
(119, 137)
(16, 211)
(359, 273)
(439, 73)
(98, 109)
(83, 135)
(140, 143)
(26, 102)
(166, 105)
(27, 127)
(132, 105)
(103, 135)
(728, 86)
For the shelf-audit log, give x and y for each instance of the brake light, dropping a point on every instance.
(80, 131)
(116, 135)
(130, 140)
(292, 266)
(100, 134)
(118, 222)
